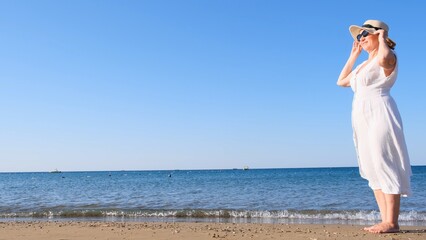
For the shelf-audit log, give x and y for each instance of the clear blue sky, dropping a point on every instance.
(139, 85)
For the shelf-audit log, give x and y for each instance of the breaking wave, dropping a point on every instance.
(305, 216)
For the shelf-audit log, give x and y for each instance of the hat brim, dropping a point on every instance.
(355, 30)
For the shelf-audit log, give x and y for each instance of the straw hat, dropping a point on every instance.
(371, 26)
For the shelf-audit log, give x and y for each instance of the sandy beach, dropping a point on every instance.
(192, 231)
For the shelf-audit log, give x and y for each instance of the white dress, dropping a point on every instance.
(378, 133)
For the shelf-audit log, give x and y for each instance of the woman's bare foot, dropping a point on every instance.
(383, 228)
(369, 228)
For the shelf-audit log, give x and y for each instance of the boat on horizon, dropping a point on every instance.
(56, 171)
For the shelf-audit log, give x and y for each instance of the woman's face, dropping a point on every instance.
(370, 42)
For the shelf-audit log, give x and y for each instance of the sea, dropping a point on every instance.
(298, 195)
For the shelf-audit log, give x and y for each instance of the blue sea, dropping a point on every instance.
(304, 195)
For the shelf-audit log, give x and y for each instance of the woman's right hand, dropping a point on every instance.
(356, 49)
(345, 76)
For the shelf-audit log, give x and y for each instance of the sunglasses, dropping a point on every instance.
(365, 33)
(362, 34)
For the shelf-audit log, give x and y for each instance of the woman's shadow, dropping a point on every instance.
(413, 231)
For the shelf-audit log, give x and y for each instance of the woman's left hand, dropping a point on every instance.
(382, 34)
(387, 59)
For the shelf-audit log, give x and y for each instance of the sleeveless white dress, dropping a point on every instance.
(378, 132)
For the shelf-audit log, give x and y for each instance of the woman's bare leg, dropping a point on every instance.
(389, 205)
(393, 202)
(381, 202)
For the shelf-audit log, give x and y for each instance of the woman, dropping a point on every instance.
(378, 135)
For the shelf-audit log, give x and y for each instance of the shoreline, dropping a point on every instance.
(262, 221)
(345, 217)
(47, 230)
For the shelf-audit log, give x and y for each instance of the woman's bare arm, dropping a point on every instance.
(386, 58)
(346, 73)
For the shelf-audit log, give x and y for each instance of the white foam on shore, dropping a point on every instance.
(243, 215)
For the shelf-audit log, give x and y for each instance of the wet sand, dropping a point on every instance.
(194, 231)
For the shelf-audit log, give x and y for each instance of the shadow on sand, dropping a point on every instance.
(413, 231)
